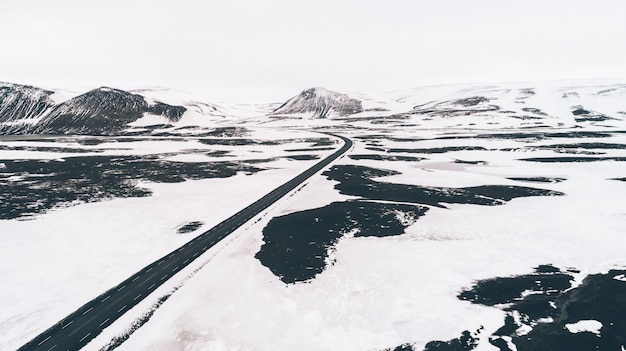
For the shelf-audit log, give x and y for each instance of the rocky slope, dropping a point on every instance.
(103, 111)
(30, 110)
(19, 102)
(320, 103)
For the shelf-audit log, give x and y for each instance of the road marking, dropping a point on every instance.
(65, 326)
(149, 269)
(90, 308)
(75, 330)
(165, 276)
(122, 288)
(172, 254)
(137, 277)
(151, 286)
(148, 279)
(44, 340)
(212, 242)
(175, 268)
(187, 260)
(196, 254)
(123, 307)
(136, 297)
(204, 248)
(169, 264)
(108, 319)
(55, 345)
(118, 300)
(161, 261)
(82, 325)
(84, 337)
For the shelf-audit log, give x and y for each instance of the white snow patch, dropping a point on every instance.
(621, 277)
(545, 320)
(148, 120)
(586, 325)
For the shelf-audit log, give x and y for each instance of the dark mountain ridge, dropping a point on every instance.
(100, 111)
(18, 102)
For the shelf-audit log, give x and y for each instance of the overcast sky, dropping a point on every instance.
(260, 50)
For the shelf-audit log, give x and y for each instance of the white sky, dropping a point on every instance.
(270, 50)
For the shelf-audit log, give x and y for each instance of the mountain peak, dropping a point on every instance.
(107, 89)
(315, 91)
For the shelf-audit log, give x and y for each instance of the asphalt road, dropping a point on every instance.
(84, 324)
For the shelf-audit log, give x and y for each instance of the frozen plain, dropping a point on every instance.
(375, 293)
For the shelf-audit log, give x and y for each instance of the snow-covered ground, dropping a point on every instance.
(52, 263)
(376, 292)
(383, 292)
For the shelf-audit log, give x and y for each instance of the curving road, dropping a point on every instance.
(84, 324)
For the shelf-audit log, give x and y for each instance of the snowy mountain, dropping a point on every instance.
(31, 110)
(319, 103)
(19, 102)
(504, 106)
(102, 111)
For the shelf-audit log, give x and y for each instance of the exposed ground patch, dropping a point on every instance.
(189, 227)
(32, 187)
(434, 150)
(378, 157)
(538, 179)
(572, 159)
(553, 316)
(297, 246)
(357, 181)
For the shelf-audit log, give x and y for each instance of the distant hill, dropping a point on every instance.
(320, 103)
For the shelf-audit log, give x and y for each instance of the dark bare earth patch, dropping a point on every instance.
(544, 304)
(378, 137)
(538, 179)
(311, 149)
(385, 157)
(609, 146)
(552, 305)
(534, 110)
(72, 150)
(296, 246)
(435, 150)
(31, 187)
(302, 157)
(321, 142)
(482, 163)
(228, 132)
(573, 159)
(237, 142)
(583, 115)
(189, 227)
(578, 148)
(530, 136)
(357, 181)
(467, 341)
